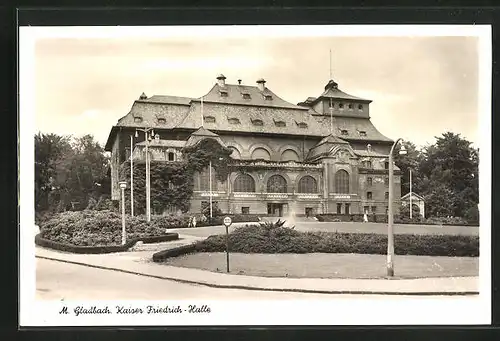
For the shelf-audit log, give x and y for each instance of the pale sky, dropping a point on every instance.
(420, 86)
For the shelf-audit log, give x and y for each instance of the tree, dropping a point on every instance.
(69, 170)
(450, 165)
(49, 149)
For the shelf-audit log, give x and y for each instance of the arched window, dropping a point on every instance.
(342, 181)
(235, 153)
(276, 184)
(171, 156)
(307, 184)
(261, 153)
(289, 155)
(244, 183)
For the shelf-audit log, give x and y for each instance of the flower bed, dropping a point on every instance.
(269, 238)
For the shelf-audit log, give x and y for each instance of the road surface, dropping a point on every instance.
(58, 280)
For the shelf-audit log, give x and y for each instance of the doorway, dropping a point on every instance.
(275, 210)
(309, 212)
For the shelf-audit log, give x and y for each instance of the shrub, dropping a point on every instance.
(269, 238)
(94, 228)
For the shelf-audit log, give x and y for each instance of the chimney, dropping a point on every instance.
(221, 80)
(239, 81)
(143, 96)
(261, 83)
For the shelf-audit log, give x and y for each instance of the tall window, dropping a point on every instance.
(244, 183)
(342, 181)
(276, 184)
(386, 181)
(369, 195)
(369, 181)
(307, 184)
(386, 195)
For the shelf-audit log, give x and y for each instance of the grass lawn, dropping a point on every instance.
(325, 265)
(345, 227)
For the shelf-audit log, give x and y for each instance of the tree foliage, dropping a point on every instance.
(69, 171)
(172, 182)
(445, 174)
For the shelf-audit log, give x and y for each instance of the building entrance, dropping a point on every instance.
(275, 210)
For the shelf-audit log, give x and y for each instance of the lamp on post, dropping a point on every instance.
(123, 185)
(147, 138)
(390, 218)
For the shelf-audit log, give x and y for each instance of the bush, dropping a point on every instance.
(95, 228)
(269, 238)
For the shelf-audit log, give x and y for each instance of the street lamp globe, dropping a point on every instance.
(123, 184)
(402, 150)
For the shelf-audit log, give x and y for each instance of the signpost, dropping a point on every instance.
(227, 223)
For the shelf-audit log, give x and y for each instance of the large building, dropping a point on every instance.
(322, 155)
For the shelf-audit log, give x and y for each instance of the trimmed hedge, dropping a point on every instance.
(382, 218)
(178, 251)
(267, 238)
(40, 241)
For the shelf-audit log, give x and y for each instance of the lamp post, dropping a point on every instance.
(123, 185)
(390, 218)
(411, 203)
(147, 138)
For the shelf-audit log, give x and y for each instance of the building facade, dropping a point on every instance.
(322, 155)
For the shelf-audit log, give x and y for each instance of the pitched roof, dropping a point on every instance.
(257, 97)
(168, 100)
(149, 114)
(407, 196)
(358, 128)
(204, 132)
(253, 119)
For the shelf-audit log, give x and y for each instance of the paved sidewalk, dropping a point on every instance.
(139, 262)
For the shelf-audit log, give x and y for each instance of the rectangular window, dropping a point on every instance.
(386, 195)
(386, 181)
(369, 195)
(366, 209)
(374, 209)
(245, 210)
(203, 204)
(386, 165)
(369, 181)
(386, 210)
(339, 208)
(347, 206)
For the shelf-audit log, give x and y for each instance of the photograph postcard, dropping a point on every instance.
(255, 175)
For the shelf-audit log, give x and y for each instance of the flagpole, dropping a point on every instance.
(202, 111)
(411, 206)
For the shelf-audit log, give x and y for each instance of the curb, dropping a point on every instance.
(243, 287)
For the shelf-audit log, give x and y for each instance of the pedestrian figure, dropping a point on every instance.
(365, 218)
(194, 221)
